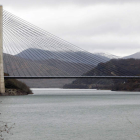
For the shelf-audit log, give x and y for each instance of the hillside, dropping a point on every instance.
(15, 65)
(120, 67)
(64, 56)
(14, 87)
(29, 67)
(25, 64)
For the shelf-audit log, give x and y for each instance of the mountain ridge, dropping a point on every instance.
(67, 56)
(135, 56)
(120, 67)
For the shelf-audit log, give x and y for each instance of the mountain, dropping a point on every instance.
(65, 56)
(37, 62)
(18, 66)
(135, 56)
(15, 65)
(107, 55)
(114, 67)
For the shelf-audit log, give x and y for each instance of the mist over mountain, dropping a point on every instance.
(135, 56)
(107, 55)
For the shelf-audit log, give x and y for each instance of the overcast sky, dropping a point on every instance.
(111, 26)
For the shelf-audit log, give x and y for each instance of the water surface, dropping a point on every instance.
(73, 115)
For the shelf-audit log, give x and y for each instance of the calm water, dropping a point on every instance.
(73, 115)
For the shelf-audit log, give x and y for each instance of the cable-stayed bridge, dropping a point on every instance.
(31, 53)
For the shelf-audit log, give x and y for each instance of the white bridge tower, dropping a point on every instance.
(2, 85)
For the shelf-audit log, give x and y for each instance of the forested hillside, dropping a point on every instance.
(115, 67)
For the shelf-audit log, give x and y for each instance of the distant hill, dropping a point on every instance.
(32, 61)
(65, 56)
(135, 56)
(120, 67)
(15, 66)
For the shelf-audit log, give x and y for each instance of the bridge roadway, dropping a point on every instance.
(71, 77)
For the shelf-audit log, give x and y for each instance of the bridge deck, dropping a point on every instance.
(71, 77)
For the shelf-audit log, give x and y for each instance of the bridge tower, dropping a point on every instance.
(2, 85)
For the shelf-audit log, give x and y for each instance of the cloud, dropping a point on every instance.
(92, 20)
(95, 25)
(33, 3)
(114, 44)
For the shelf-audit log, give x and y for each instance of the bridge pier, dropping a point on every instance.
(2, 84)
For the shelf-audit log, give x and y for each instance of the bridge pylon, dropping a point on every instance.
(2, 84)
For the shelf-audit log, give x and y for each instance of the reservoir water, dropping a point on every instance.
(62, 114)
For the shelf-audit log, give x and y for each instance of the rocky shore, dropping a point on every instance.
(13, 92)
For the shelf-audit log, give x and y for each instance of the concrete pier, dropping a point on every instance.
(2, 85)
